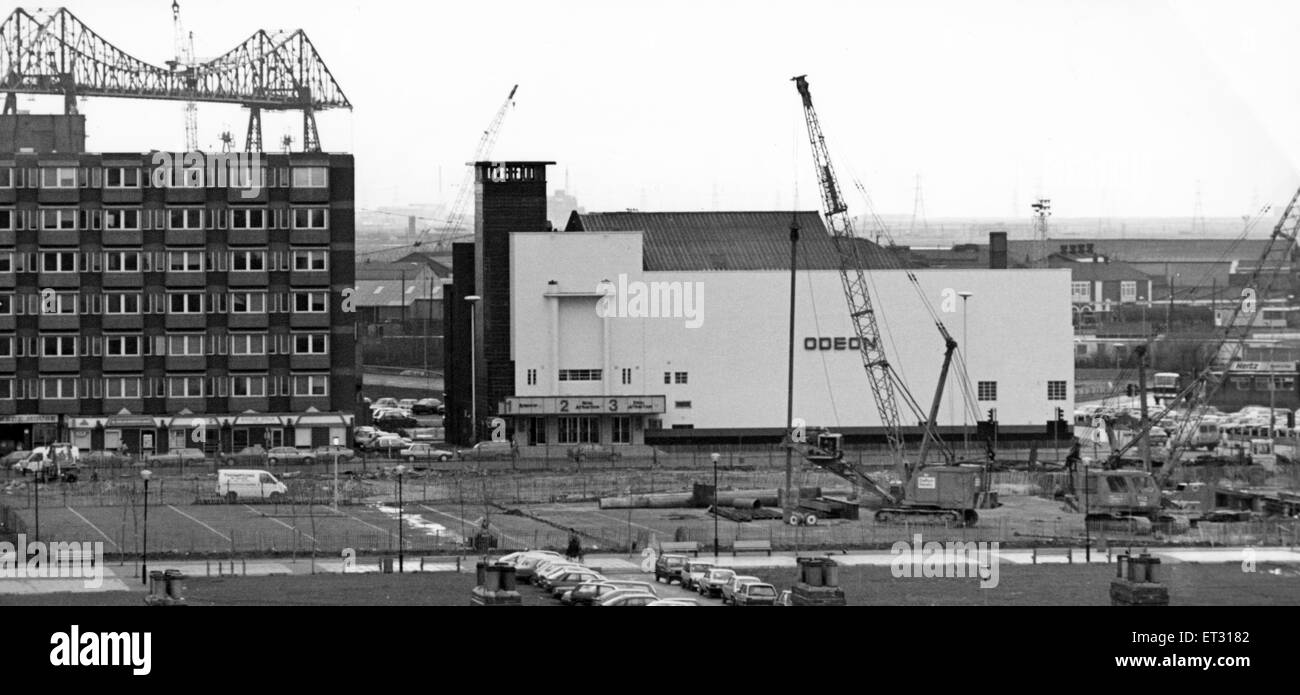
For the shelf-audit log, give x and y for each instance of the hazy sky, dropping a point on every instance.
(1108, 108)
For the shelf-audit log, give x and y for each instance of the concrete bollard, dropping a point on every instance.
(1136, 582)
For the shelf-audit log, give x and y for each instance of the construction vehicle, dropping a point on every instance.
(1122, 499)
(945, 492)
(58, 461)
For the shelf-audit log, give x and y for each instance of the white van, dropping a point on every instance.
(234, 484)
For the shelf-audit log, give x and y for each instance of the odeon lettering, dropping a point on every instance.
(829, 343)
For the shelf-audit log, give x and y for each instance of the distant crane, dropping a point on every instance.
(1042, 210)
(185, 61)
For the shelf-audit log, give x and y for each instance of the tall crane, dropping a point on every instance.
(185, 61)
(486, 143)
(948, 492)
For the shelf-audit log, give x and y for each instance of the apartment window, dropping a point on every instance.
(185, 386)
(122, 303)
(532, 377)
(1128, 291)
(6, 177)
(311, 385)
(6, 216)
(6, 262)
(186, 303)
(1081, 291)
(59, 303)
(60, 388)
(122, 387)
(580, 375)
(6, 389)
(185, 218)
(124, 218)
(312, 259)
(622, 430)
(1241, 383)
(627, 376)
(59, 262)
(6, 346)
(247, 218)
(679, 377)
(310, 177)
(248, 344)
(58, 177)
(246, 176)
(6, 304)
(668, 377)
(1056, 390)
(682, 404)
(310, 343)
(185, 344)
(58, 218)
(248, 260)
(248, 386)
(122, 261)
(987, 391)
(311, 218)
(185, 261)
(59, 346)
(122, 345)
(121, 177)
(309, 302)
(248, 302)
(578, 430)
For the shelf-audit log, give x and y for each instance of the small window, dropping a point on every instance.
(1056, 390)
(627, 376)
(679, 377)
(681, 404)
(532, 377)
(1128, 291)
(310, 177)
(987, 390)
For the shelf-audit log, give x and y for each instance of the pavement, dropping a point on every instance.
(126, 577)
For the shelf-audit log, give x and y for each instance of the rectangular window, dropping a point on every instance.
(668, 377)
(6, 217)
(185, 386)
(186, 303)
(58, 218)
(1056, 390)
(247, 218)
(6, 262)
(122, 303)
(122, 387)
(622, 430)
(60, 388)
(6, 389)
(121, 177)
(59, 346)
(627, 376)
(310, 343)
(311, 259)
(248, 302)
(532, 377)
(6, 346)
(58, 177)
(580, 375)
(7, 304)
(987, 391)
(1128, 291)
(311, 385)
(248, 344)
(248, 260)
(6, 177)
(309, 302)
(185, 261)
(59, 262)
(185, 218)
(1080, 291)
(248, 386)
(185, 344)
(122, 345)
(61, 303)
(682, 404)
(122, 261)
(121, 218)
(679, 377)
(578, 430)
(310, 177)
(311, 218)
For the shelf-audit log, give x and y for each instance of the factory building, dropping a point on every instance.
(147, 297)
(631, 328)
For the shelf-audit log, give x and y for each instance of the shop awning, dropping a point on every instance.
(124, 418)
(85, 423)
(317, 420)
(584, 405)
(258, 420)
(32, 419)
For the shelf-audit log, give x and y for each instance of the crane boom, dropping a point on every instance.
(185, 61)
(853, 277)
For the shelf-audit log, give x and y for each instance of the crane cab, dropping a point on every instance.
(830, 442)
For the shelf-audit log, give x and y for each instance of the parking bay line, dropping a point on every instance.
(467, 523)
(625, 521)
(291, 528)
(221, 535)
(105, 535)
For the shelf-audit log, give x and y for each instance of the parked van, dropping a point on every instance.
(235, 484)
(58, 461)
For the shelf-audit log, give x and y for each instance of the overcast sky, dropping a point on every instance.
(1109, 108)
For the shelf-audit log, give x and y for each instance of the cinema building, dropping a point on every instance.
(630, 328)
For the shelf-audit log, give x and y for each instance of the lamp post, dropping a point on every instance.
(715, 456)
(335, 441)
(401, 534)
(965, 375)
(473, 300)
(144, 546)
(36, 493)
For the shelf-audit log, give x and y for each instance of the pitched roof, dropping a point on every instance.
(751, 240)
(389, 293)
(1105, 271)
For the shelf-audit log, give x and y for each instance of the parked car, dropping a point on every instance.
(595, 452)
(426, 406)
(674, 602)
(527, 565)
(644, 587)
(387, 445)
(249, 454)
(693, 571)
(395, 422)
(669, 567)
(485, 451)
(629, 599)
(365, 433)
(14, 459)
(288, 454)
(730, 588)
(421, 451)
(570, 580)
(176, 457)
(518, 556)
(327, 454)
(754, 594)
(784, 598)
(384, 403)
(407, 404)
(424, 434)
(547, 579)
(587, 594)
(711, 583)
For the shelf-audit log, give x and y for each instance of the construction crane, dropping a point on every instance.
(184, 61)
(486, 143)
(949, 492)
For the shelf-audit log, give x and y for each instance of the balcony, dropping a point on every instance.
(8, 365)
(59, 237)
(185, 280)
(58, 196)
(309, 195)
(181, 196)
(248, 278)
(8, 280)
(315, 237)
(246, 320)
(119, 196)
(309, 278)
(297, 362)
(62, 363)
(122, 237)
(117, 322)
(186, 362)
(50, 406)
(6, 236)
(8, 322)
(310, 320)
(180, 321)
(60, 280)
(134, 280)
(248, 363)
(246, 237)
(58, 322)
(123, 363)
(185, 237)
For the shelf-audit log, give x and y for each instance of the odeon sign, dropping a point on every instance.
(839, 343)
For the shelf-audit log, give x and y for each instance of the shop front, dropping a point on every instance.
(27, 431)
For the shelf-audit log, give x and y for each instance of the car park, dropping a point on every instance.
(570, 580)
(287, 454)
(526, 567)
(421, 451)
(754, 594)
(730, 588)
(426, 406)
(711, 584)
(693, 571)
(487, 451)
(629, 599)
(176, 457)
(669, 567)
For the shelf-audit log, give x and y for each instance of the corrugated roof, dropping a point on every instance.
(1139, 250)
(389, 293)
(754, 240)
(1098, 272)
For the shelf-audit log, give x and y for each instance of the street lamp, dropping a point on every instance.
(336, 473)
(715, 456)
(144, 546)
(965, 374)
(473, 300)
(401, 555)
